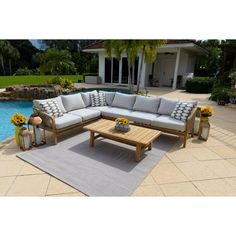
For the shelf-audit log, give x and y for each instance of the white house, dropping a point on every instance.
(175, 62)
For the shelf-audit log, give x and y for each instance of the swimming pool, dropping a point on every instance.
(7, 109)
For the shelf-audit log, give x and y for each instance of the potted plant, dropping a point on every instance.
(122, 124)
(18, 120)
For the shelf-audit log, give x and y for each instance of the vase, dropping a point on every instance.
(122, 127)
(17, 130)
(204, 119)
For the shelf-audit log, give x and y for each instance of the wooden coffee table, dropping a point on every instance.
(140, 137)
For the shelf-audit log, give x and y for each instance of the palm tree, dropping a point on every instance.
(7, 51)
(56, 61)
(4, 45)
(130, 47)
(148, 54)
(13, 54)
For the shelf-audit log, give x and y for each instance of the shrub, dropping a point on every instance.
(220, 93)
(64, 83)
(199, 85)
(23, 71)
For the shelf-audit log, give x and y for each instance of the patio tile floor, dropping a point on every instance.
(201, 169)
(180, 189)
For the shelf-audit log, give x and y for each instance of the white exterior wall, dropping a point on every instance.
(186, 66)
(101, 66)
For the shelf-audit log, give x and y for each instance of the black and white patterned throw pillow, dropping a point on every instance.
(182, 111)
(51, 108)
(98, 99)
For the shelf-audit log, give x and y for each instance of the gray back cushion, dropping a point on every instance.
(109, 97)
(124, 101)
(146, 104)
(73, 102)
(57, 99)
(167, 106)
(86, 97)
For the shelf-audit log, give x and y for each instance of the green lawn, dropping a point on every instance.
(6, 81)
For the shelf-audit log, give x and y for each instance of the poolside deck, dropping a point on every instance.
(201, 169)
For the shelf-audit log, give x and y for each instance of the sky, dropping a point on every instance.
(35, 43)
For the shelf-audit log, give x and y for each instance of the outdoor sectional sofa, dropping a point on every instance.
(152, 112)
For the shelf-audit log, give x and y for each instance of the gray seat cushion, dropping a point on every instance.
(67, 120)
(167, 106)
(167, 122)
(102, 108)
(124, 101)
(57, 99)
(86, 113)
(146, 104)
(86, 97)
(142, 117)
(73, 102)
(115, 112)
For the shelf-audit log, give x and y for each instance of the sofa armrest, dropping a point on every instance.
(48, 121)
(191, 119)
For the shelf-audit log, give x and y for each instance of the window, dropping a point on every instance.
(115, 71)
(124, 78)
(107, 70)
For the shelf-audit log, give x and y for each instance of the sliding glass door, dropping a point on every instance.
(115, 71)
(107, 70)
(124, 77)
(113, 67)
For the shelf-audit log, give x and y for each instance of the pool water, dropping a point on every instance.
(7, 109)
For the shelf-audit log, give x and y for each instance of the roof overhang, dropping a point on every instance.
(165, 48)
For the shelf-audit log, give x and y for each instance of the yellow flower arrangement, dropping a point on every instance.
(18, 119)
(206, 111)
(122, 120)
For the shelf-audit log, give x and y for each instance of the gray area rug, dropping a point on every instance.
(108, 169)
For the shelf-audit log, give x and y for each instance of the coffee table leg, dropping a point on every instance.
(91, 138)
(138, 152)
(150, 146)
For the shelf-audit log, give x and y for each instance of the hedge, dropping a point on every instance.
(199, 85)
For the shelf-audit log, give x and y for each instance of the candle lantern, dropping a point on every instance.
(204, 130)
(25, 139)
(39, 137)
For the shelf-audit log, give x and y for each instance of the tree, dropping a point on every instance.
(3, 51)
(130, 47)
(13, 54)
(70, 45)
(209, 64)
(53, 61)
(7, 51)
(26, 51)
(148, 54)
(84, 62)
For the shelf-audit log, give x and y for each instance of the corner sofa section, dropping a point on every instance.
(151, 112)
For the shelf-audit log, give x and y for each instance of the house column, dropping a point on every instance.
(176, 69)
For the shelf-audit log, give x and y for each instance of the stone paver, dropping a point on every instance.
(215, 187)
(148, 190)
(29, 185)
(180, 189)
(5, 184)
(10, 168)
(56, 187)
(167, 173)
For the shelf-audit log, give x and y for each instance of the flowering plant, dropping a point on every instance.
(18, 119)
(206, 111)
(122, 120)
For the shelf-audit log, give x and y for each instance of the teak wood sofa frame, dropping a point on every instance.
(50, 125)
